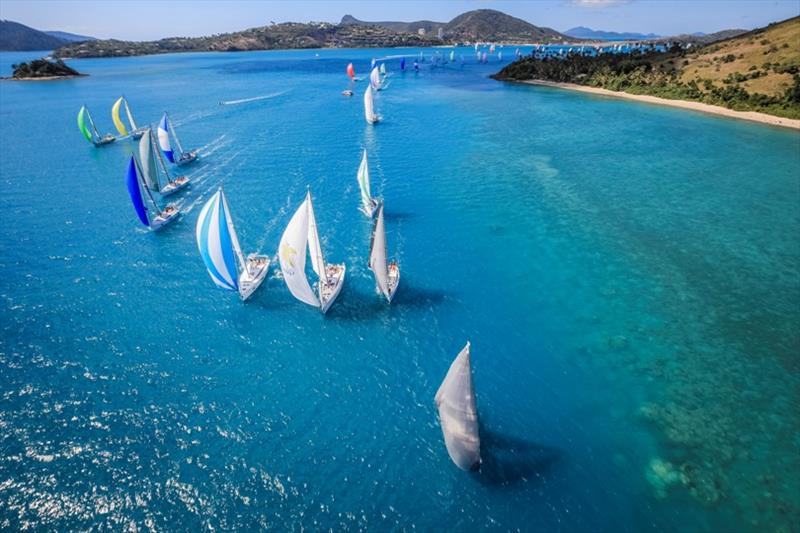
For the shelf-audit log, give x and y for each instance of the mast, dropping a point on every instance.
(161, 161)
(89, 115)
(175, 136)
(314, 248)
(232, 231)
(144, 186)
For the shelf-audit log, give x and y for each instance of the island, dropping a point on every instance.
(43, 69)
(757, 72)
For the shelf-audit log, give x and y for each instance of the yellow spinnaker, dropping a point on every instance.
(115, 117)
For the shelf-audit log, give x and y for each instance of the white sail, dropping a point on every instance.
(458, 414)
(375, 79)
(383, 69)
(232, 230)
(369, 113)
(130, 115)
(146, 156)
(363, 183)
(377, 254)
(292, 256)
(314, 248)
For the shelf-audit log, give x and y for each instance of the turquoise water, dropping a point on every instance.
(628, 275)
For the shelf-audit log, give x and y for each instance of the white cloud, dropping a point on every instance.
(598, 3)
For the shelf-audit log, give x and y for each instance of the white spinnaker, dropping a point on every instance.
(232, 230)
(148, 162)
(363, 182)
(314, 247)
(458, 414)
(377, 254)
(369, 113)
(292, 256)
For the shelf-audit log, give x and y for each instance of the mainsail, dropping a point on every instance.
(163, 139)
(217, 242)
(115, 116)
(402, 63)
(314, 247)
(377, 254)
(383, 69)
(458, 415)
(363, 183)
(130, 115)
(351, 72)
(292, 256)
(452, 55)
(148, 162)
(369, 112)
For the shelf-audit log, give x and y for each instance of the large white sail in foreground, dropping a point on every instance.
(458, 414)
(368, 204)
(377, 255)
(292, 255)
(369, 111)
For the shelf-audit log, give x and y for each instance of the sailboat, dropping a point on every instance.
(375, 79)
(387, 275)
(148, 155)
(368, 203)
(369, 111)
(383, 69)
(299, 234)
(135, 186)
(85, 122)
(458, 415)
(135, 131)
(180, 158)
(453, 55)
(221, 253)
(403, 64)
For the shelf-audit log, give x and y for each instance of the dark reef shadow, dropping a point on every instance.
(411, 295)
(507, 460)
(391, 216)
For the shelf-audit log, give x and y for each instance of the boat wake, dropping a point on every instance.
(254, 98)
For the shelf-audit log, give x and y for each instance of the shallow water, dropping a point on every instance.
(628, 275)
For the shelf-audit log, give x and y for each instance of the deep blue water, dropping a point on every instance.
(628, 275)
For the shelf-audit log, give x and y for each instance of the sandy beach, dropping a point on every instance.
(683, 104)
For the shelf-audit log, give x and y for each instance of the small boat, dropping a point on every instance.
(453, 55)
(301, 233)
(403, 64)
(458, 415)
(89, 130)
(368, 203)
(151, 160)
(351, 72)
(499, 56)
(372, 63)
(387, 275)
(221, 253)
(135, 132)
(135, 186)
(383, 69)
(369, 112)
(347, 92)
(165, 128)
(491, 48)
(375, 79)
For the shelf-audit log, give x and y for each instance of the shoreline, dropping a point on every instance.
(752, 116)
(43, 78)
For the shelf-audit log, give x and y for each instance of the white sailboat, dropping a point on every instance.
(148, 155)
(302, 234)
(368, 203)
(387, 275)
(375, 79)
(165, 131)
(458, 414)
(369, 111)
(219, 247)
(154, 218)
(135, 132)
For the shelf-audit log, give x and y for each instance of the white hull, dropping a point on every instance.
(175, 185)
(374, 120)
(108, 139)
(254, 274)
(167, 215)
(370, 211)
(186, 158)
(394, 281)
(328, 292)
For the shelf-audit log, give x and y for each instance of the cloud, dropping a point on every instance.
(598, 3)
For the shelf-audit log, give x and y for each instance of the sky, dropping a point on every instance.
(155, 19)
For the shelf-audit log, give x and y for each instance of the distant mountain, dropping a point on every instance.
(18, 37)
(477, 25)
(708, 38)
(409, 27)
(582, 32)
(71, 37)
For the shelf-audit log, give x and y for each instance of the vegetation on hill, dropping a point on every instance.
(756, 71)
(18, 37)
(42, 68)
